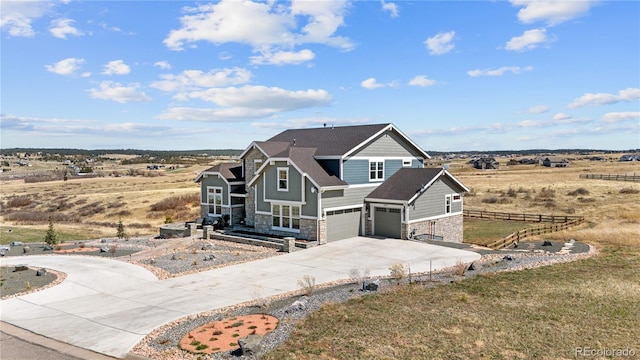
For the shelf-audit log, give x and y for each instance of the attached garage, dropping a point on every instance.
(387, 222)
(343, 224)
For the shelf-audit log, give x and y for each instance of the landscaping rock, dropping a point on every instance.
(547, 243)
(250, 345)
(209, 257)
(26, 249)
(104, 249)
(48, 248)
(371, 285)
(298, 305)
(507, 258)
(41, 272)
(471, 267)
(208, 246)
(20, 267)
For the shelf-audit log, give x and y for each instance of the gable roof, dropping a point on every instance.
(408, 183)
(302, 159)
(230, 171)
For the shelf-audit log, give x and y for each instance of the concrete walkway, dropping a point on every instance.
(108, 306)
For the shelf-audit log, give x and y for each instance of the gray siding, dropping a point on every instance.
(262, 206)
(311, 207)
(213, 180)
(295, 186)
(417, 163)
(432, 202)
(346, 197)
(355, 171)
(391, 166)
(388, 144)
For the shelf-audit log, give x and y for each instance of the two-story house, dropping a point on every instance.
(332, 183)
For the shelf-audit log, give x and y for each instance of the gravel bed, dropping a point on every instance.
(16, 283)
(162, 343)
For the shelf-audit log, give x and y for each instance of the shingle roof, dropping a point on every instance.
(232, 171)
(329, 141)
(303, 158)
(404, 184)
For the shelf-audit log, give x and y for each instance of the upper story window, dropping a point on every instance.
(406, 162)
(283, 179)
(376, 170)
(447, 204)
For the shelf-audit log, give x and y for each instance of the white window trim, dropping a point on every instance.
(291, 217)
(453, 198)
(376, 170)
(215, 195)
(407, 162)
(286, 170)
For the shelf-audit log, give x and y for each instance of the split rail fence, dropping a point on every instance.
(614, 177)
(554, 223)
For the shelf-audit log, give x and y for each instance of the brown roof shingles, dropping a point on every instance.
(404, 184)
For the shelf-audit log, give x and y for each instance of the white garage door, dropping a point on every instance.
(387, 222)
(343, 224)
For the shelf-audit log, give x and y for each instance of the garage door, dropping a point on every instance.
(343, 224)
(387, 222)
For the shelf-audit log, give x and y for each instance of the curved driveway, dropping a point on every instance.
(108, 306)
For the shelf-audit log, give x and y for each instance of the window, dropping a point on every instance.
(214, 200)
(457, 197)
(406, 162)
(376, 170)
(447, 204)
(285, 216)
(283, 179)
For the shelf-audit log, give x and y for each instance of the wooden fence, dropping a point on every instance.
(556, 223)
(519, 217)
(614, 177)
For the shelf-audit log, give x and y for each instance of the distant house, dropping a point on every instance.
(485, 163)
(331, 183)
(630, 157)
(555, 162)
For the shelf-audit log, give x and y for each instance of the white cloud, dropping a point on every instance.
(539, 109)
(626, 95)
(440, 43)
(162, 65)
(392, 8)
(527, 41)
(422, 80)
(116, 67)
(67, 66)
(247, 102)
(561, 116)
(614, 117)
(371, 84)
(109, 90)
(60, 28)
(499, 72)
(283, 57)
(272, 25)
(197, 79)
(552, 12)
(16, 16)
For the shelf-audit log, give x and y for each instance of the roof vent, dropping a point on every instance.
(294, 142)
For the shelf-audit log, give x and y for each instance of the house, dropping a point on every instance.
(331, 183)
(630, 157)
(485, 163)
(555, 162)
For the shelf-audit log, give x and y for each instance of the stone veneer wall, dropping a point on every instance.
(450, 228)
(263, 224)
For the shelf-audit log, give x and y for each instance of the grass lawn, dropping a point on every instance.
(534, 314)
(37, 234)
(484, 232)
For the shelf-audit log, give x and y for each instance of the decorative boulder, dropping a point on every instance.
(26, 249)
(507, 258)
(371, 285)
(250, 345)
(209, 257)
(208, 246)
(471, 267)
(104, 249)
(547, 243)
(298, 305)
(41, 272)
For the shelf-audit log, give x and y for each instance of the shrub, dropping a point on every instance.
(578, 191)
(19, 201)
(629, 191)
(120, 230)
(175, 202)
(546, 193)
(398, 272)
(307, 284)
(512, 193)
(460, 268)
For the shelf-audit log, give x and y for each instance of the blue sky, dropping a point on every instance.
(453, 75)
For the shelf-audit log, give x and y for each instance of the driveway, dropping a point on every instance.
(108, 306)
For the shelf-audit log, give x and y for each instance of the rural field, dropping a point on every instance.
(547, 313)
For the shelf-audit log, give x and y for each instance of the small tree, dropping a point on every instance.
(121, 233)
(51, 238)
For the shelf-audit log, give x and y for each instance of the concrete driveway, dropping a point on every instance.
(108, 306)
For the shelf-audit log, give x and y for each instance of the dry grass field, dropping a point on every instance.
(89, 208)
(552, 312)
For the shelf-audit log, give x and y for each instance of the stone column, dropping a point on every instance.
(193, 229)
(289, 244)
(207, 230)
